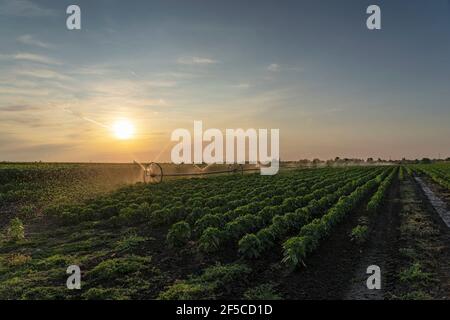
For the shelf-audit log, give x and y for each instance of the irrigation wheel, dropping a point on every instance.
(153, 173)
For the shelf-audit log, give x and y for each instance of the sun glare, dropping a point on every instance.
(123, 129)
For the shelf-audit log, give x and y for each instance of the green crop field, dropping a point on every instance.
(301, 234)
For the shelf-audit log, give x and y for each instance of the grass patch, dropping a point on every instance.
(211, 284)
(263, 292)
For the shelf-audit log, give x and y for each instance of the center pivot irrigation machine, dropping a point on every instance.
(153, 172)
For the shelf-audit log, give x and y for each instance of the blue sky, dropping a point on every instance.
(310, 68)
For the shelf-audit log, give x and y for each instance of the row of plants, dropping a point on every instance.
(296, 249)
(436, 173)
(360, 233)
(402, 173)
(377, 199)
(180, 199)
(266, 209)
(245, 216)
(253, 245)
(279, 218)
(49, 187)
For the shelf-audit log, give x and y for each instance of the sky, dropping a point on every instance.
(309, 68)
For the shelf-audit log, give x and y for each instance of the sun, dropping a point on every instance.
(123, 129)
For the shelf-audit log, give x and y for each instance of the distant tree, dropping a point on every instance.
(369, 160)
(425, 161)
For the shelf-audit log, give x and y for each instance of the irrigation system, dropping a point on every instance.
(153, 172)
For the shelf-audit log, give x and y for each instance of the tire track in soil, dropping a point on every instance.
(443, 241)
(381, 250)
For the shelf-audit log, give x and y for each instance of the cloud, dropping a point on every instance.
(23, 8)
(24, 121)
(42, 74)
(24, 91)
(273, 67)
(91, 71)
(29, 40)
(42, 149)
(35, 58)
(15, 108)
(196, 61)
(31, 57)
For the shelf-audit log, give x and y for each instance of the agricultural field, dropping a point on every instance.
(302, 234)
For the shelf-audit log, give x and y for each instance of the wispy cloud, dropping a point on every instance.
(196, 61)
(43, 148)
(30, 40)
(23, 8)
(274, 67)
(13, 91)
(16, 108)
(91, 71)
(31, 57)
(35, 58)
(42, 74)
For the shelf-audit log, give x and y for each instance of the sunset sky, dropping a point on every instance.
(310, 68)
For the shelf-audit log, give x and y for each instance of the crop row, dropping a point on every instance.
(436, 174)
(267, 208)
(296, 249)
(278, 217)
(377, 199)
(180, 199)
(253, 245)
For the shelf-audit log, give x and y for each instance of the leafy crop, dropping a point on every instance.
(179, 234)
(15, 230)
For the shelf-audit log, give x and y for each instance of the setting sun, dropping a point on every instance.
(123, 129)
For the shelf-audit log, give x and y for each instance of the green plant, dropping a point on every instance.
(179, 234)
(208, 220)
(213, 282)
(15, 230)
(130, 242)
(143, 212)
(118, 267)
(250, 246)
(359, 234)
(415, 273)
(105, 294)
(27, 211)
(377, 199)
(16, 260)
(294, 251)
(263, 292)
(210, 240)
